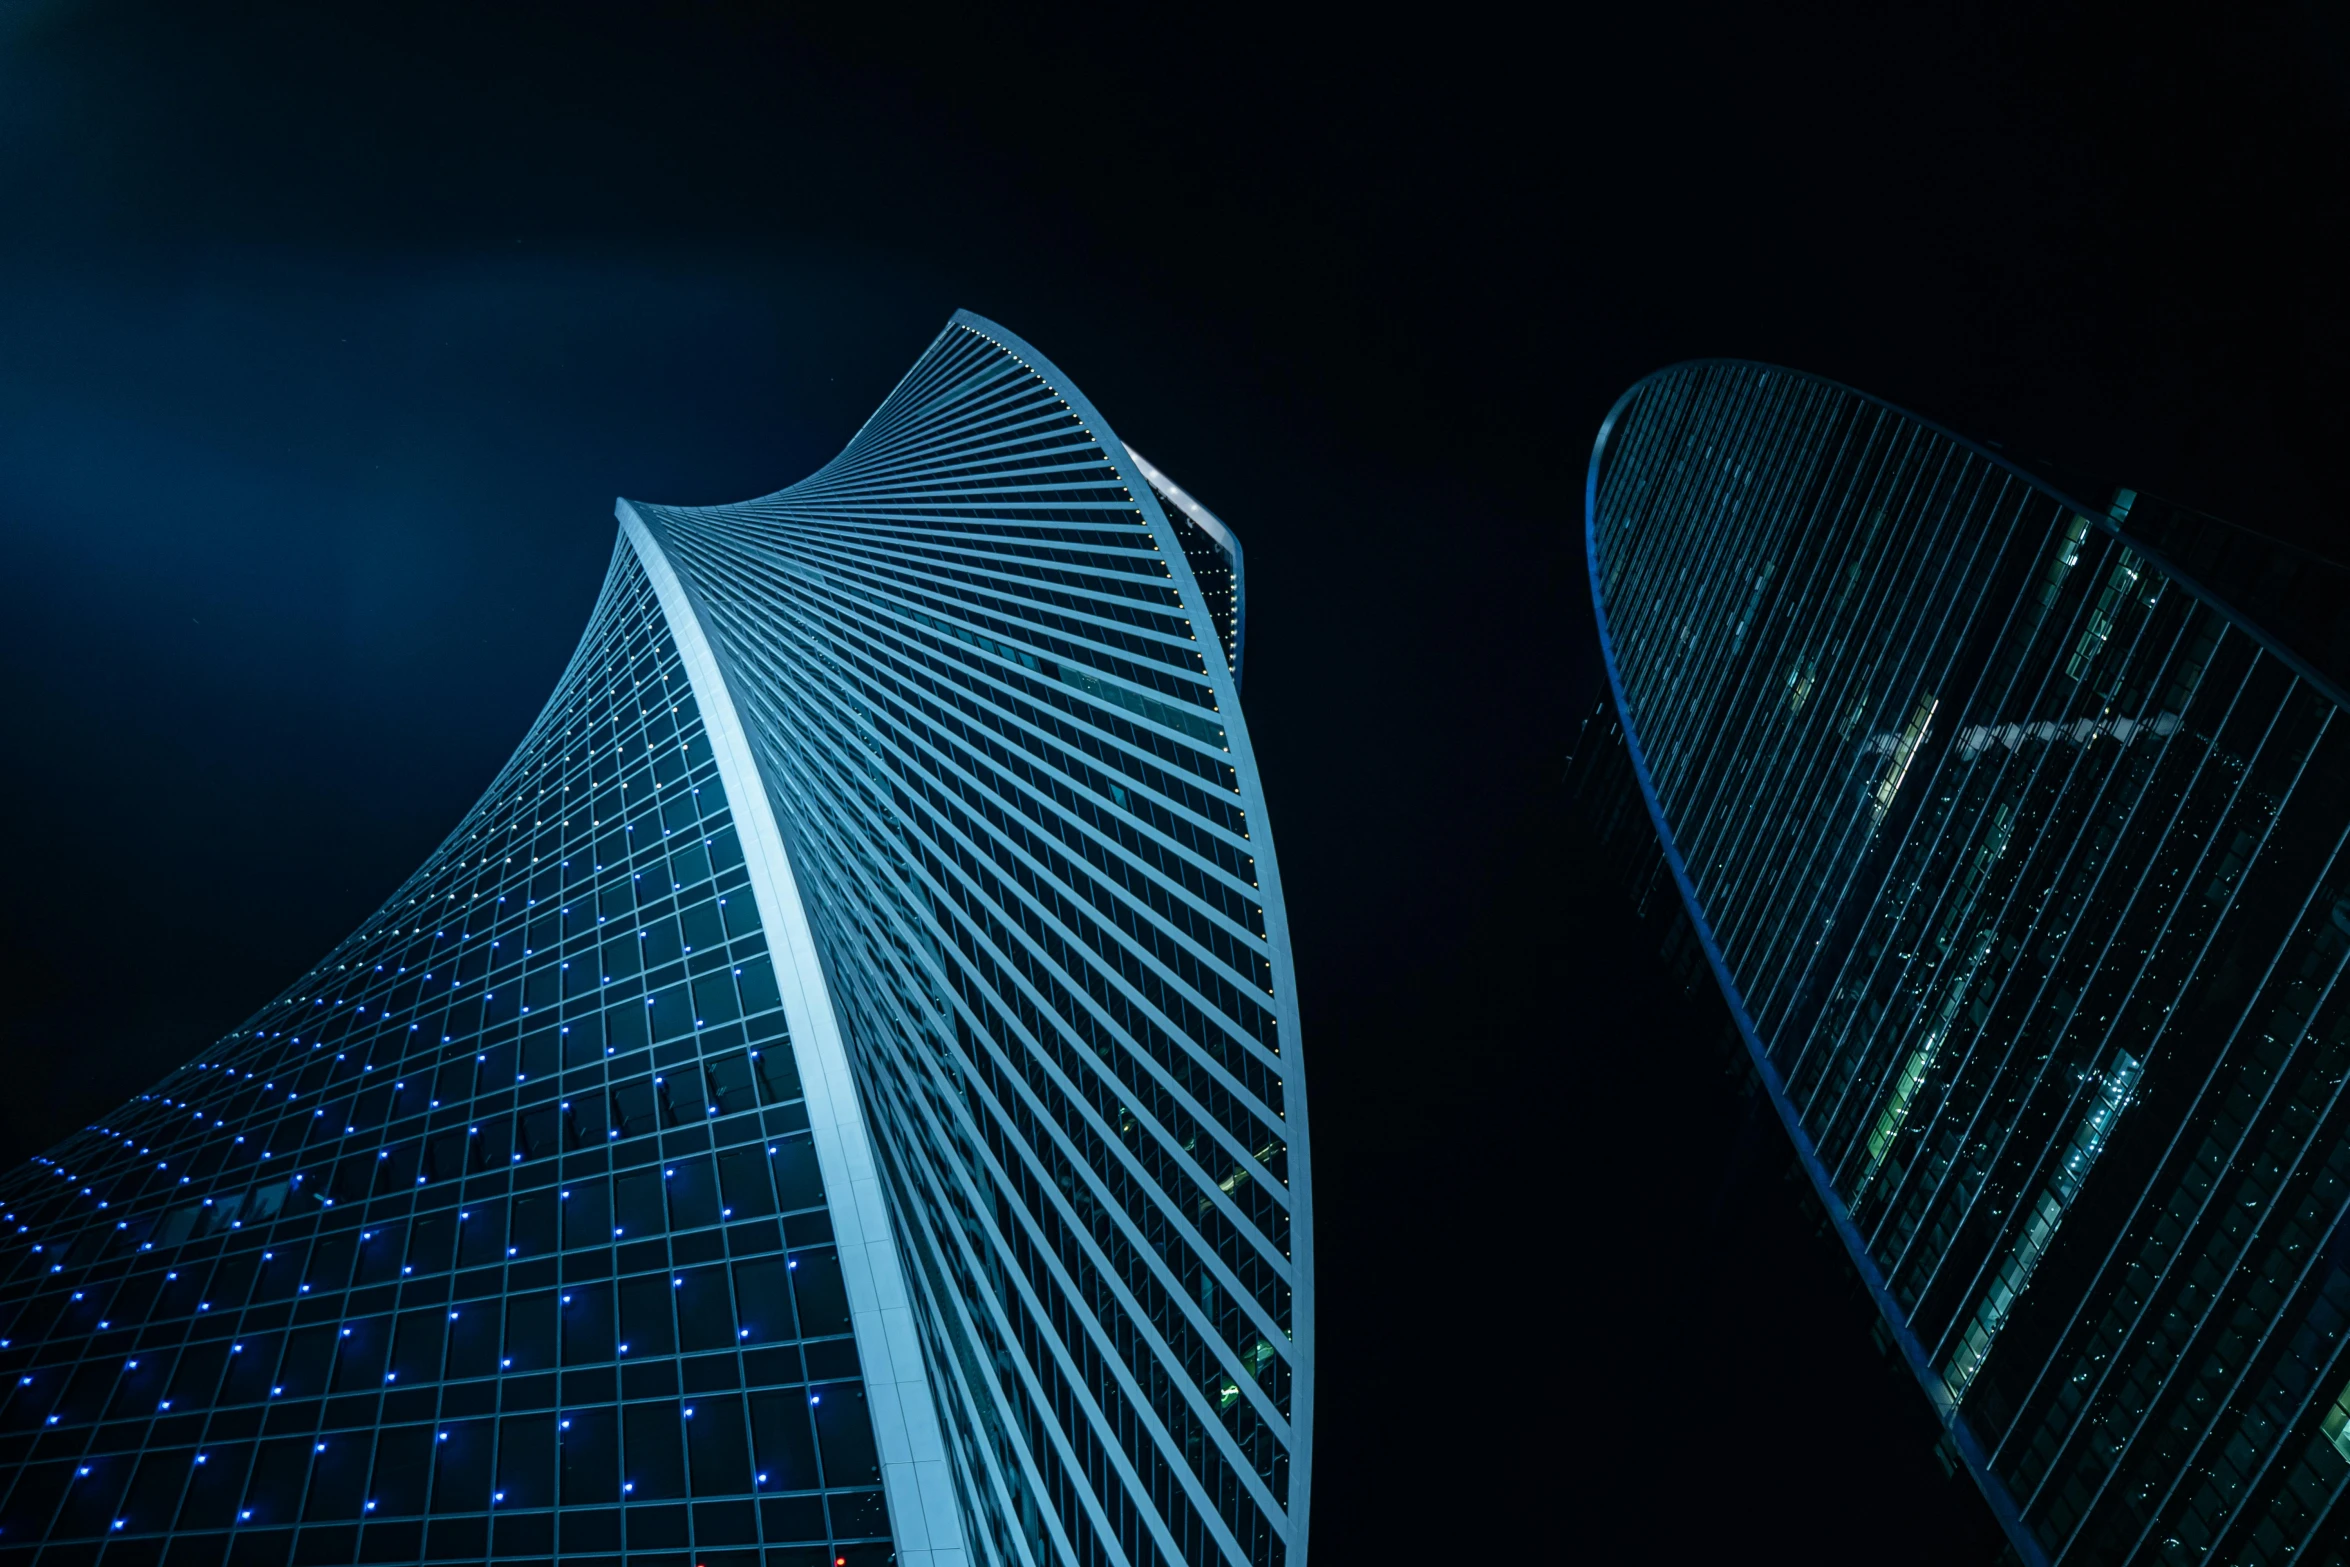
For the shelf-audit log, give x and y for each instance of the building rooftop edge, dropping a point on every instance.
(2104, 517)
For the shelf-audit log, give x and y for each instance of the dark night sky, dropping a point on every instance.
(327, 335)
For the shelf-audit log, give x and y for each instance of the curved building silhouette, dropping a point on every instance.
(2010, 818)
(835, 1099)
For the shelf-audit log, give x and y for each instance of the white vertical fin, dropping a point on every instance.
(905, 1419)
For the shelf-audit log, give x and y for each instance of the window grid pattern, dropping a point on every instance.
(2025, 858)
(996, 714)
(498, 1234)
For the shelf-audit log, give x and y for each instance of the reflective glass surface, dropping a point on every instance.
(2021, 850)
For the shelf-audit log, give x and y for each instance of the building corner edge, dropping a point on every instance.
(925, 1518)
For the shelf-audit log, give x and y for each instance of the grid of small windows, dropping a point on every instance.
(1009, 772)
(497, 1235)
(2028, 863)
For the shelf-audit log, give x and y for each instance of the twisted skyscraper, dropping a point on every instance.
(2012, 818)
(835, 1099)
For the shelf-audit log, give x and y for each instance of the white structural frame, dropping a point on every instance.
(924, 1515)
(1139, 478)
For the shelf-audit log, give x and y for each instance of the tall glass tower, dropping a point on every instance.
(835, 1099)
(2011, 816)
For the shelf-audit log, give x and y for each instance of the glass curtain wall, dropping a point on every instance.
(505, 1231)
(2020, 854)
(997, 713)
(499, 1233)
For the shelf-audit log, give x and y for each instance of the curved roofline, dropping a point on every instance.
(1146, 481)
(1252, 795)
(2099, 516)
(1220, 679)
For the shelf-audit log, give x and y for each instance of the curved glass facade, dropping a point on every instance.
(834, 1100)
(2018, 852)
